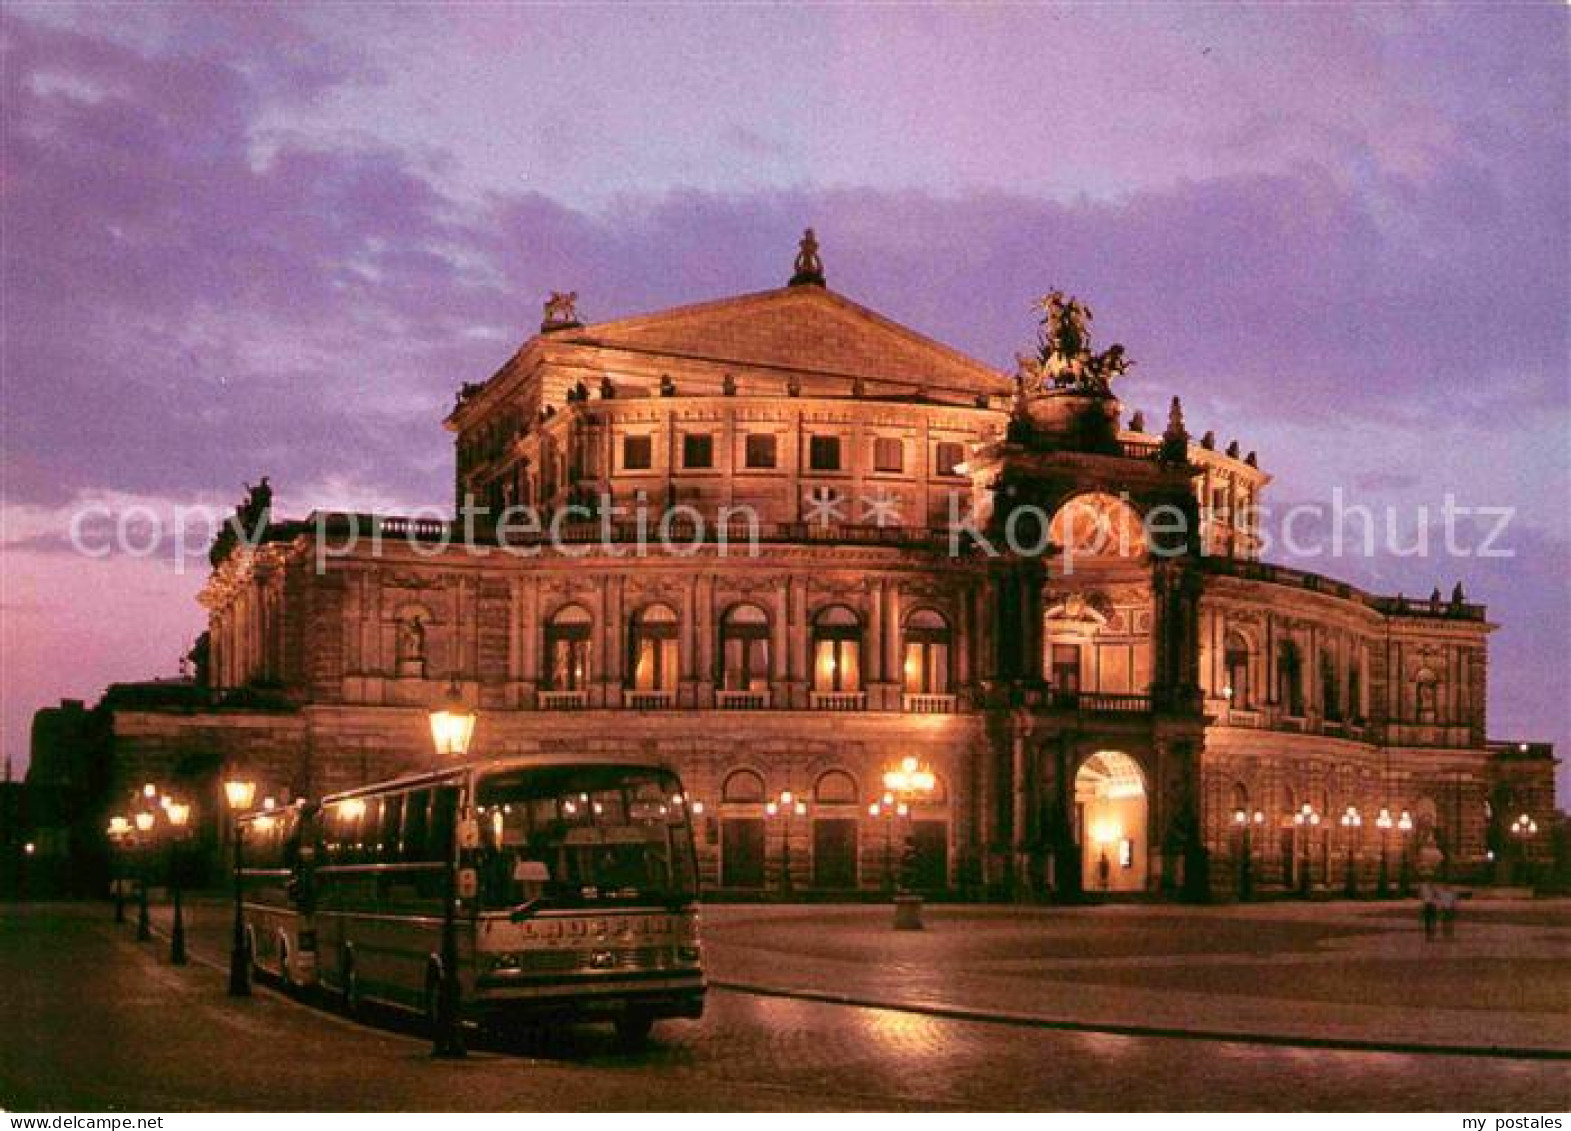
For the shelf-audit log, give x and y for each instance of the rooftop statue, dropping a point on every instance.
(561, 311)
(1064, 360)
(809, 268)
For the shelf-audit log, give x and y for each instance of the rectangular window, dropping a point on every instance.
(698, 451)
(761, 450)
(888, 454)
(823, 453)
(1066, 668)
(947, 457)
(638, 453)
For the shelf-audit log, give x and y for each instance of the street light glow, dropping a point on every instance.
(453, 725)
(239, 793)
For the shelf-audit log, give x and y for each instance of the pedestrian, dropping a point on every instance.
(1431, 912)
(1448, 906)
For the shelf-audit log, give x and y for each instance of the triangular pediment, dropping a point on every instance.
(806, 330)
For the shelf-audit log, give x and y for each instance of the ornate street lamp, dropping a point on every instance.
(119, 835)
(909, 784)
(452, 727)
(1385, 823)
(1352, 821)
(887, 809)
(1523, 829)
(239, 793)
(788, 805)
(145, 820)
(1306, 820)
(179, 814)
(1244, 822)
(1404, 827)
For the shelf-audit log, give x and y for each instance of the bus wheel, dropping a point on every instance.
(632, 1030)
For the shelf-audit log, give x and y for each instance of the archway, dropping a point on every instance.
(1110, 823)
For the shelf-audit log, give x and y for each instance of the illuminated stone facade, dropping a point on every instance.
(1132, 709)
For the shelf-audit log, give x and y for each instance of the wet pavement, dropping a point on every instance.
(96, 1021)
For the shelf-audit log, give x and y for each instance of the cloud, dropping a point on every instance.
(239, 241)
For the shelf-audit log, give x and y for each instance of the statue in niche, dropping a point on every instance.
(411, 646)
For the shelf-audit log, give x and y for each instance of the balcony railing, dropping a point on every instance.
(648, 700)
(1101, 701)
(737, 700)
(839, 700)
(925, 704)
(564, 700)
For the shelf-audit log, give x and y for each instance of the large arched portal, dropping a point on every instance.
(1110, 822)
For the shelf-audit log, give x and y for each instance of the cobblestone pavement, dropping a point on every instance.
(1323, 971)
(96, 1021)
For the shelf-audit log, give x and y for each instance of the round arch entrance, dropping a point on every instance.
(1110, 822)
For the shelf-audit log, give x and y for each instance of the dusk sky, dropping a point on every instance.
(254, 240)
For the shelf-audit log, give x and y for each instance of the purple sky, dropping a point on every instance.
(240, 240)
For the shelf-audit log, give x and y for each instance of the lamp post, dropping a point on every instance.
(119, 835)
(1306, 820)
(1244, 822)
(452, 727)
(910, 783)
(239, 793)
(144, 827)
(1523, 829)
(1385, 823)
(179, 814)
(1404, 828)
(886, 809)
(1352, 821)
(786, 806)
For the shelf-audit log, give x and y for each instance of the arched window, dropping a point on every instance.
(927, 645)
(837, 650)
(1290, 678)
(1235, 658)
(652, 655)
(743, 787)
(835, 787)
(567, 649)
(1426, 696)
(1330, 689)
(744, 649)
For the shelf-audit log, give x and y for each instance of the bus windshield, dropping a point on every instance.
(583, 836)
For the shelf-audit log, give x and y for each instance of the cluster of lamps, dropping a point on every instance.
(135, 835)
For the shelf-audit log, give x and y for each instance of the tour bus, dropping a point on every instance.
(575, 892)
(274, 878)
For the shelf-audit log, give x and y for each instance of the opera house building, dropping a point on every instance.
(787, 547)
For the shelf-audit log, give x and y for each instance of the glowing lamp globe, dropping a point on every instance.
(452, 726)
(239, 793)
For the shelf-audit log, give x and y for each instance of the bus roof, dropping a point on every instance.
(489, 766)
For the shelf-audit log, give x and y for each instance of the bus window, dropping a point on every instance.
(577, 836)
(417, 809)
